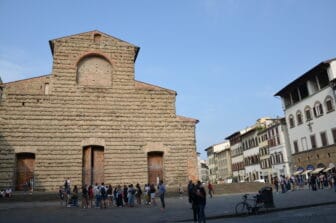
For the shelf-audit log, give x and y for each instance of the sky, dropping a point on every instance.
(225, 58)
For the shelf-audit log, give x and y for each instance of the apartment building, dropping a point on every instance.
(309, 106)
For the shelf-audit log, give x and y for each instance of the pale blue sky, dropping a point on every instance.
(225, 58)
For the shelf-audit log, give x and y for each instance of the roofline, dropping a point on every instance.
(233, 134)
(51, 44)
(187, 119)
(208, 148)
(11, 82)
(156, 86)
(304, 76)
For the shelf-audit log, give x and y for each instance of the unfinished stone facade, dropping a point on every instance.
(90, 120)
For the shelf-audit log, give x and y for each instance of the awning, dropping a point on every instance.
(317, 170)
(327, 169)
(297, 172)
(307, 171)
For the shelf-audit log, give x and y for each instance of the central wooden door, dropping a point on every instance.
(155, 167)
(93, 165)
(25, 164)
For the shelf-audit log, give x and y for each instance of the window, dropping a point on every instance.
(323, 79)
(324, 138)
(287, 100)
(291, 121)
(318, 110)
(308, 114)
(334, 134)
(299, 117)
(313, 85)
(329, 104)
(46, 88)
(304, 143)
(303, 91)
(295, 95)
(296, 146)
(313, 141)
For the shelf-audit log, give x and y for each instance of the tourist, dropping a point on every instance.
(9, 192)
(138, 193)
(194, 202)
(190, 188)
(85, 197)
(201, 200)
(61, 195)
(180, 190)
(74, 197)
(91, 195)
(210, 189)
(110, 196)
(147, 194)
(119, 198)
(96, 192)
(131, 195)
(103, 194)
(152, 191)
(162, 191)
(124, 194)
(276, 184)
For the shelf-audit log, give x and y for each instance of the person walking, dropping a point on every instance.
(162, 191)
(201, 200)
(152, 192)
(190, 188)
(210, 189)
(194, 203)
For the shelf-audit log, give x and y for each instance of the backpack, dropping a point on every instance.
(103, 190)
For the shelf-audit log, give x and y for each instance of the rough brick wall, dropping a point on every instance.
(128, 118)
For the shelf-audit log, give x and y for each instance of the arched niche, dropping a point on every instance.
(94, 70)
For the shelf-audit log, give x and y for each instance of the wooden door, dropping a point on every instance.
(87, 166)
(25, 164)
(155, 167)
(93, 165)
(98, 164)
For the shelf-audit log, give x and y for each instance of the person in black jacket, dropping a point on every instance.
(194, 201)
(201, 201)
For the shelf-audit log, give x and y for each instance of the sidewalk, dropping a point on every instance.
(177, 210)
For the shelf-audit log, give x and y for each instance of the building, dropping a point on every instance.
(211, 164)
(237, 158)
(223, 162)
(91, 121)
(309, 107)
(219, 161)
(203, 170)
(279, 148)
(265, 158)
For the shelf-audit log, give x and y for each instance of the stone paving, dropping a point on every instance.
(177, 210)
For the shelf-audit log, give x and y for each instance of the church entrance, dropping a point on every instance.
(25, 164)
(93, 165)
(155, 167)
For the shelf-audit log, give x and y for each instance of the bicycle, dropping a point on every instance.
(245, 207)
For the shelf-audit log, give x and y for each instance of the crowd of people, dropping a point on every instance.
(313, 182)
(105, 196)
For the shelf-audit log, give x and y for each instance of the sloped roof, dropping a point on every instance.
(182, 118)
(146, 86)
(41, 76)
(304, 77)
(51, 42)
